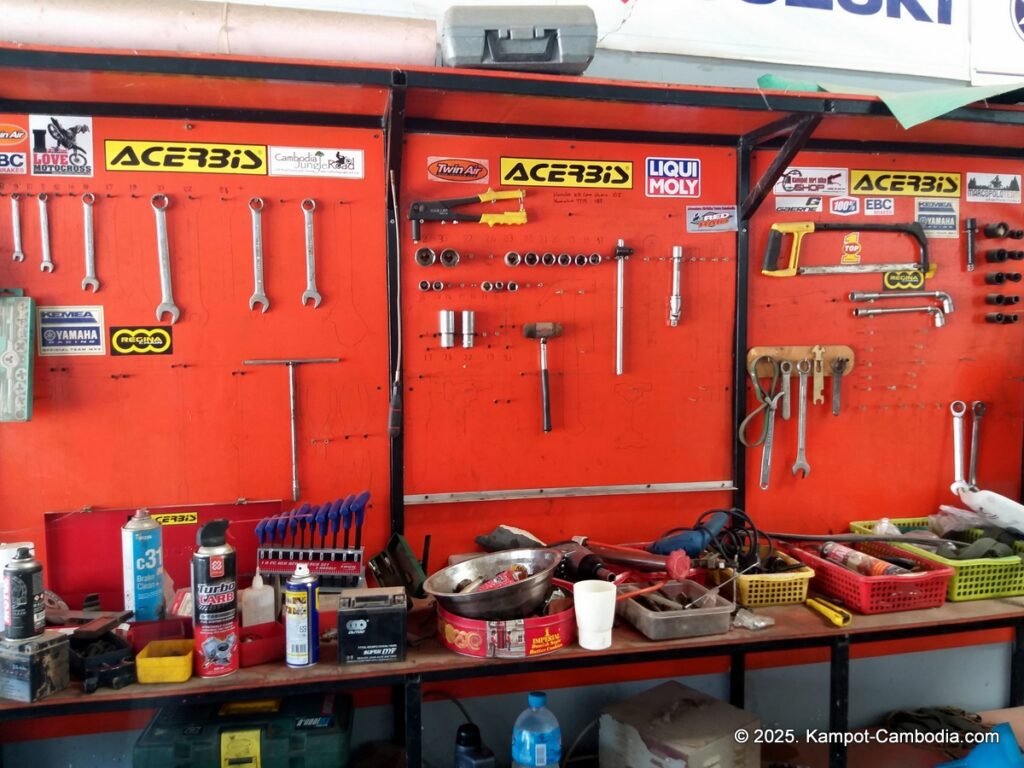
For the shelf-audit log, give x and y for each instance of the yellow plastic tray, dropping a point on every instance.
(165, 661)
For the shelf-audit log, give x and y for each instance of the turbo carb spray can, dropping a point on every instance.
(214, 602)
(24, 610)
(302, 618)
(142, 561)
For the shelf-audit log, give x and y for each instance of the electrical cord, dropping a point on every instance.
(568, 755)
(739, 543)
(453, 699)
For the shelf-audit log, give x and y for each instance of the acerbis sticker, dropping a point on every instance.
(185, 157)
(844, 206)
(799, 204)
(69, 331)
(993, 188)
(134, 340)
(904, 183)
(13, 162)
(813, 181)
(879, 206)
(711, 218)
(672, 177)
(456, 169)
(547, 172)
(332, 162)
(175, 518)
(61, 145)
(938, 218)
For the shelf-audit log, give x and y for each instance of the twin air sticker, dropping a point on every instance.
(546, 172)
(61, 145)
(989, 188)
(711, 218)
(904, 183)
(150, 340)
(813, 181)
(67, 331)
(331, 162)
(938, 218)
(185, 157)
(672, 177)
(454, 169)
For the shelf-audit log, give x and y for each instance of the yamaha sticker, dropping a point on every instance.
(993, 188)
(844, 206)
(133, 340)
(61, 145)
(13, 162)
(329, 162)
(813, 181)
(711, 218)
(70, 331)
(799, 204)
(938, 218)
(672, 177)
(879, 206)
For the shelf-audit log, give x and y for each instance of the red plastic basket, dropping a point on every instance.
(878, 594)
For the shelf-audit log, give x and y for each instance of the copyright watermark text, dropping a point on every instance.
(846, 738)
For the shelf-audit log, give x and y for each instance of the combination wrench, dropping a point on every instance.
(786, 368)
(800, 465)
(958, 408)
(160, 202)
(977, 413)
(90, 281)
(259, 295)
(44, 232)
(18, 254)
(308, 206)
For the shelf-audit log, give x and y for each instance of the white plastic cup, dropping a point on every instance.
(594, 602)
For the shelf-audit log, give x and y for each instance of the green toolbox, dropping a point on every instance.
(17, 318)
(313, 731)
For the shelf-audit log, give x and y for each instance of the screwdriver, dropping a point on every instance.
(321, 522)
(346, 516)
(261, 531)
(301, 514)
(359, 506)
(334, 516)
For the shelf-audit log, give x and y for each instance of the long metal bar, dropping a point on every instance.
(839, 697)
(457, 497)
(802, 131)
(744, 154)
(413, 721)
(738, 679)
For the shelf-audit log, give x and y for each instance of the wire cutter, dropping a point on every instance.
(441, 210)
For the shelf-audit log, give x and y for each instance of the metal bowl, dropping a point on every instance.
(514, 601)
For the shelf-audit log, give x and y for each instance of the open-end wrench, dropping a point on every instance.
(90, 281)
(308, 206)
(259, 295)
(801, 465)
(167, 305)
(786, 369)
(44, 232)
(977, 412)
(958, 408)
(18, 254)
(769, 439)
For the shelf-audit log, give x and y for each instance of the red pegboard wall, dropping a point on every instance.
(197, 426)
(889, 452)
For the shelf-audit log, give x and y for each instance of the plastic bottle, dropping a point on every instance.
(470, 751)
(257, 603)
(536, 737)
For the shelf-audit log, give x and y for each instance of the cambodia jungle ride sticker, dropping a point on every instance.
(331, 162)
(547, 172)
(905, 183)
(134, 340)
(185, 157)
(70, 331)
(61, 145)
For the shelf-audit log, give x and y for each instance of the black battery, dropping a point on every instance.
(35, 668)
(371, 625)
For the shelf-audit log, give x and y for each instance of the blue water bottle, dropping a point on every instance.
(536, 737)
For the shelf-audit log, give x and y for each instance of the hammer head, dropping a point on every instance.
(542, 330)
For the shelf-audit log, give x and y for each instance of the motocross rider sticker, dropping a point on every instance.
(61, 145)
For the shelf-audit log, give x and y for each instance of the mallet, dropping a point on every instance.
(543, 332)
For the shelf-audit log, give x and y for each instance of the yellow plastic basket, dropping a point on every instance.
(165, 661)
(978, 579)
(762, 590)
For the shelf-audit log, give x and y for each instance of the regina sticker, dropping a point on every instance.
(133, 340)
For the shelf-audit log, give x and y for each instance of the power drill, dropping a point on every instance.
(694, 541)
(580, 564)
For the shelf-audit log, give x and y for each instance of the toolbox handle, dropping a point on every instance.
(516, 45)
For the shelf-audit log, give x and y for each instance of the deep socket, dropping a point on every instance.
(446, 319)
(468, 328)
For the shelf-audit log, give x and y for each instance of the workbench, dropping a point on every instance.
(795, 628)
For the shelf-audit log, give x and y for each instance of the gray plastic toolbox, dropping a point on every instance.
(556, 39)
(711, 615)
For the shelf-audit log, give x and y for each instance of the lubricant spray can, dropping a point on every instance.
(24, 610)
(214, 602)
(859, 561)
(142, 561)
(302, 618)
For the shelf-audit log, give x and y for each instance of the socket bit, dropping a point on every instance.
(468, 328)
(531, 259)
(996, 256)
(446, 320)
(995, 278)
(425, 257)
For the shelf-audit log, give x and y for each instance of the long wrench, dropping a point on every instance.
(308, 206)
(769, 439)
(977, 412)
(620, 304)
(259, 295)
(786, 368)
(18, 254)
(89, 281)
(801, 465)
(160, 202)
(44, 232)
(958, 408)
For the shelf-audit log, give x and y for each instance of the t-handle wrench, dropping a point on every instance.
(167, 305)
(18, 254)
(89, 281)
(958, 408)
(44, 232)
(978, 412)
(800, 465)
(310, 294)
(259, 295)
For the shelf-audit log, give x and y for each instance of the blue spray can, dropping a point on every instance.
(142, 557)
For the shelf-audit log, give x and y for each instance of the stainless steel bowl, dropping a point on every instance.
(515, 601)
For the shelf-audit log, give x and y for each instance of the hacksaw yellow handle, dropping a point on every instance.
(770, 264)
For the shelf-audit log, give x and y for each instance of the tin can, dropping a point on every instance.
(142, 562)
(214, 602)
(302, 618)
(24, 610)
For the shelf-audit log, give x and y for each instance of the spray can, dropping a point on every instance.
(24, 610)
(860, 562)
(214, 602)
(7, 553)
(142, 561)
(302, 618)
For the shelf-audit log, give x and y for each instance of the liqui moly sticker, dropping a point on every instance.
(799, 204)
(813, 181)
(879, 206)
(938, 217)
(672, 177)
(844, 206)
(61, 145)
(711, 218)
(330, 162)
(993, 188)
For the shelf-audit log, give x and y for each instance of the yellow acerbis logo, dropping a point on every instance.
(141, 341)
(176, 518)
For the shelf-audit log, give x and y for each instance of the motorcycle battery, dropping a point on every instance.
(371, 625)
(106, 660)
(33, 669)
